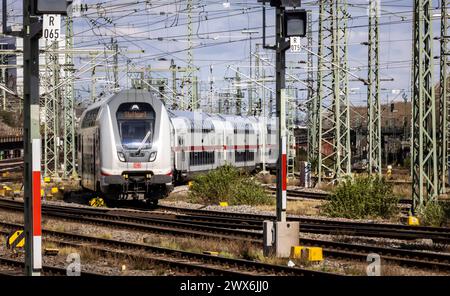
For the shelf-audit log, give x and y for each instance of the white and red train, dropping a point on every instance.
(130, 144)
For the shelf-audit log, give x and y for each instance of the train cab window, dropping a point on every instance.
(136, 122)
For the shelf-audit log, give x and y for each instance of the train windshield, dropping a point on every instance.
(136, 125)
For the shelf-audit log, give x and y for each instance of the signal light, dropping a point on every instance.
(52, 6)
(295, 23)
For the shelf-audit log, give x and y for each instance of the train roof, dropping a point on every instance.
(205, 120)
(127, 93)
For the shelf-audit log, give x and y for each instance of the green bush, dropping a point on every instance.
(432, 214)
(362, 197)
(228, 184)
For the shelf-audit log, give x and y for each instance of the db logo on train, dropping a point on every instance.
(137, 165)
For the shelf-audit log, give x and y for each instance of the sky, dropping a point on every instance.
(159, 28)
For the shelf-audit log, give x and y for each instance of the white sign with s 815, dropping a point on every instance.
(52, 27)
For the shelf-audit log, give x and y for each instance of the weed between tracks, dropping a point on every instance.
(362, 197)
(434, 213)
(228, 184)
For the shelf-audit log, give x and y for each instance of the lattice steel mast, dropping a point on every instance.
(342, 107)
(239, 93)
(50, 105)
(424, 146)
(332, 88)
(312, 96)
(373, 92)
(68, 106)
(190, 80)
(443, 130)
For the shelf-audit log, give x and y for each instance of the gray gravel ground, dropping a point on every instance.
(112, 266)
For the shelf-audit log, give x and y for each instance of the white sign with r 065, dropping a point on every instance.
(52, 27)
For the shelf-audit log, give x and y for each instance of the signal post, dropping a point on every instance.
(31, 33)
(280, 235)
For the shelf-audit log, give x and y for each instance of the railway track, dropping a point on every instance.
(235, 226)
(384, 230)
(10, 165)
(299, 195)
(46, 269)
(180, 260)
(430, 260)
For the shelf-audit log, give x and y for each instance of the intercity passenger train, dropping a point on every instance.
(130, 145)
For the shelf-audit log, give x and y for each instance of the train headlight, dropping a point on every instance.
(121, 156)
(152, 156)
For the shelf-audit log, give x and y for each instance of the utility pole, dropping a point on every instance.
(424, 147)
(444, 104)
(373, 92)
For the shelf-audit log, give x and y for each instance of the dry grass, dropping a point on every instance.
(64, 251)
(387, 269)
(49, 245)
(239, 249)
(178, 196)
(57, 227)
(293, 182)
(302, 207)
(325, 186)
(267, 179)
(402, 190)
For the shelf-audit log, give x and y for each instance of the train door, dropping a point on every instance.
(229, 150)
(258, 151)
(182, 153)
(96, 148)
(246, 145)
(224, 144)
(81, 159)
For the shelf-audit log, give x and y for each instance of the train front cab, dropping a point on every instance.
(136, 157)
